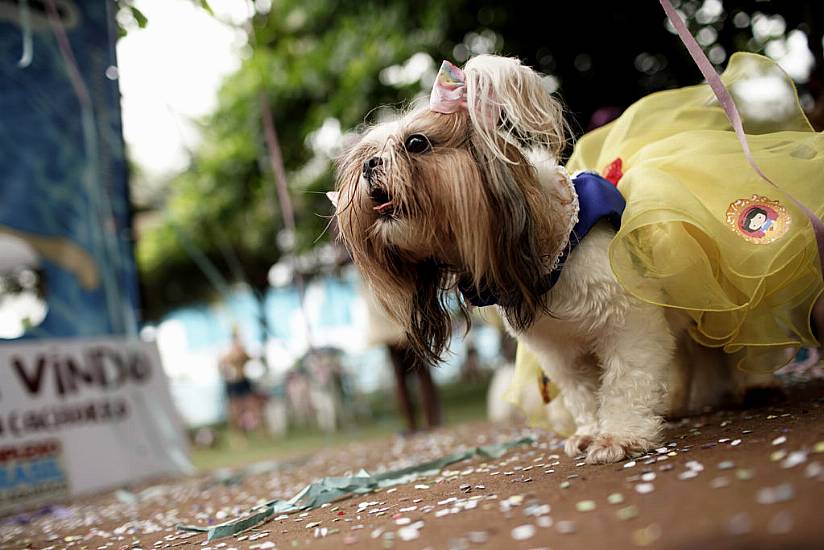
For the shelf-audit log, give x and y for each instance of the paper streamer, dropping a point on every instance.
(330, 489)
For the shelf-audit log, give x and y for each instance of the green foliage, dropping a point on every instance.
(314, 60)
(205, 5)
(311, 60)
(138, 17)
(129, 16)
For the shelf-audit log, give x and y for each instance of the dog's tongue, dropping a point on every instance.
(384, 208)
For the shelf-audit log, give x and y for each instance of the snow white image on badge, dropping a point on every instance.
(757, 221)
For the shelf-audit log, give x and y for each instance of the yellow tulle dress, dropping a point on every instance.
(702, 232)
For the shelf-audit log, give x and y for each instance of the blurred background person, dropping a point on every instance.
(326, 388)
(407, 371)
(471, 372)
(239, 392)
(276, 408)
(298, 392)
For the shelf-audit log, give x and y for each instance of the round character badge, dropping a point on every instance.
(758, 220)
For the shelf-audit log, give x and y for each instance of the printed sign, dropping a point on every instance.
(83, 405)
(32, 473)
(78, 416)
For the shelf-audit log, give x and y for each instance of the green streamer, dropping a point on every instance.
(330, 489)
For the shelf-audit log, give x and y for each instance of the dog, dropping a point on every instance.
(465, 197)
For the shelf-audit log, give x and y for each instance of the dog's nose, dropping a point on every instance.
(370, 165)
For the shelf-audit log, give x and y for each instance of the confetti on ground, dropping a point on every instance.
(721, 470)
(615, 498)
(646, 535)
(544, 521)
(627, 512)
(695, 466)
(794, 459)
(739, 524)
(523, 532)
(565, 527)
(537, 510)
(585, 505)
(775, 456)
(410, 532)
(772, 495)
(477, 537)
(781, 523)
(744, 474)
(719, 482)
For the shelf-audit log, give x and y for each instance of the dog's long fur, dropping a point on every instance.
(486, 204)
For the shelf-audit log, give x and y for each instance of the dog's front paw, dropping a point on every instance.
(606, 449)
(577, 444)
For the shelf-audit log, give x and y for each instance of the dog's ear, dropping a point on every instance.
(512, 113)
(520, 238)
(416, 295)
(509, 103)
(430, 326)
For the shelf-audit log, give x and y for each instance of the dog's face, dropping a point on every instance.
(431, 199)
(406, 186)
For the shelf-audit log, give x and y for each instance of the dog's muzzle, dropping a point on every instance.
(369, 167)
(378, 195)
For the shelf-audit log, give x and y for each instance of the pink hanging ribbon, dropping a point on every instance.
(728, 104)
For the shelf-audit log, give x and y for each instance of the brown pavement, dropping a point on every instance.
(743, 479)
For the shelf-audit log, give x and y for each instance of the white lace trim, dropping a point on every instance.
(570, 209)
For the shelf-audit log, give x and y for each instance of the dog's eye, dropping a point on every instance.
(417, 143)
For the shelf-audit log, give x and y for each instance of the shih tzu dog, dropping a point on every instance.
(464, 197)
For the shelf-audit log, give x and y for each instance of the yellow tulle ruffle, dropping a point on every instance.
(702, 232)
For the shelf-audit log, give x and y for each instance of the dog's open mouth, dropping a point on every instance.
(385, 209)
(384, 205)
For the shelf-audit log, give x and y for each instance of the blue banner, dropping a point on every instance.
(66, 262)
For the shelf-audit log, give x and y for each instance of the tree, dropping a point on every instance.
(313, 61)
(322, 62)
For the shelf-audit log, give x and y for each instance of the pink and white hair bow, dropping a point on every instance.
(449, 91)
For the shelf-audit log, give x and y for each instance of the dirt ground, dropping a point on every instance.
(743, 479)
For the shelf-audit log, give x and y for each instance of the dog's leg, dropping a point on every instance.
(559, 417)
(580, 398)
(684, 363)
(560, 354)
(635, 357)
(577, 379)
(754, 388)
